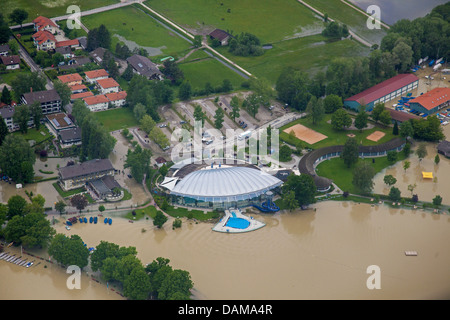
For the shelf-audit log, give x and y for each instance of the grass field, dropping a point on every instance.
(269, 20)
(50, 8)
(355, 20)
(311, 53)
(335, 137)
(35, 135)
(116, 119)
(342, 176)
(135, 28)
(208, 70)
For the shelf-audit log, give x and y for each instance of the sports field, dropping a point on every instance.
(305, 134)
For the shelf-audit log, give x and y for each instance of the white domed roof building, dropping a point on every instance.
(219, 187)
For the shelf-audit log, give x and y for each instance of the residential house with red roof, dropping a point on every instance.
(383, 92)
(97, 103)
(117, 99)
(71, 79)
(108, 85)
(43, 23)
(95, 75)
(44, 40)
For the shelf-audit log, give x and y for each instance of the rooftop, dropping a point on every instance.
(96, 74)
(42, 22)
(43, 36)
(41, 96)
(67, 43)
(143, 65)
(92, 100)
(107, 83)
(219, 34)
(114, 96)
(86, 168)
(10, 60)
(432, 98)
(383, 88)
(59, 120)
(70, 134)
(81, 95)
(70, 78)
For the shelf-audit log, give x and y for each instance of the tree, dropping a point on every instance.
(292, 88)
(406, 130)
(60, 206)
(245, 44)
(80, 111)
(185, 91)
(139, 111)
(63, 91)
(14, 151)
(437, 159)
(385, 117)
(3, 130)
(173, 72)
(137, 285)
(389, 180)
(332, 103)
(395, 131)
(376, 112)
(392, 156)
(290, 201)
(406, 165)
(437, 201)
(112, 68)
(147, 123)
(235, 108)
(199, 115)
(197, 43)
(363, 177)
(361, 120)
(407, 149)
(36, 113)
(69, 250)
(218, 116)
(340, 119)
(315, 109)
(21, 117)
(303, 187)
(350, 152)
(252, 103)
(227, 86)
(176, 286)
(411, 187)
(421, 151)
(160, 219)
(16, 206)
(403, 54)
(139, 162)
(395, 194)
(6, 96)
(5, 31)
(23, 83)
(128, 73)
(32, 230)
(79, 201)
(18, 16)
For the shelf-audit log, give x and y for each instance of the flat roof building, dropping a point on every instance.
(75, 176)
(383, 92)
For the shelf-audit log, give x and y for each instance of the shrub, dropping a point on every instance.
(176, 223)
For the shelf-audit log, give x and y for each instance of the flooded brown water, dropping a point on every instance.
(321, 254)
(426, 189)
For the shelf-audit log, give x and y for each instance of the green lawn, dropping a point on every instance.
(342, 176)
(208, 70)
(335, 137)
(149, 211)
(35, 135)
(132, 26)
(355, 20)
(115, 119)
(69, 193)
(50, 8)
(269, 20)
(310, 54)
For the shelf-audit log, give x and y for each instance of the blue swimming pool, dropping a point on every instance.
(237, 223)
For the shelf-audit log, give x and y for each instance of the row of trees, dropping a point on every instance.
(96, 142)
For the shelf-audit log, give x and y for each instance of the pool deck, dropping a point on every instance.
(221, 225)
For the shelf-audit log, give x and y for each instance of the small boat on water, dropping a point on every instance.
(109, 221)
(85, 220)
(29, 264)
(106, 220)
(95, 220)
(81, 220)
(91, 220)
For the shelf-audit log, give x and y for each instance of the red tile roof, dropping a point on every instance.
(382, 89)
(42, 22)
(70, 78)
(92, 100)
(107, 83)
(114, 96)
(402, 116)
(94, 74)
(432, 98)
(81, 95)
(42, 36)
(67, 43)
(77, 87)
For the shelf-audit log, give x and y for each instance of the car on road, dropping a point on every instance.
(163, 125)
(130, 176)
(166, 148)
(182, 122)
